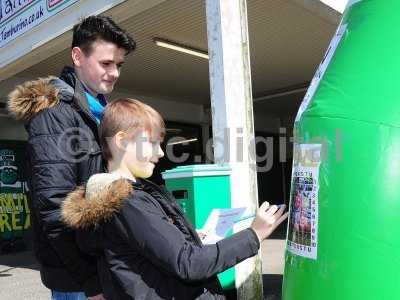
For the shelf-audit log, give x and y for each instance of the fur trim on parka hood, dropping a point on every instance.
(31, 97)
(103, 196)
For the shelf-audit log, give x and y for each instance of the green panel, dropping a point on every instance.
(14, 210)
(213, 192)
(210, 192)
(355, 115)
(183, 191)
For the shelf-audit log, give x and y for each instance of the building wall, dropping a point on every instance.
(171, 109)
(12, 130)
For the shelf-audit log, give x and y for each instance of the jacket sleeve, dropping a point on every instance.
(164, 245)
(53, 153)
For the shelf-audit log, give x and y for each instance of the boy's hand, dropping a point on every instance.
(267, 219)
(201, 234)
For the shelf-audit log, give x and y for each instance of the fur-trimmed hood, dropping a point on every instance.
(103, 196)
(31, 97)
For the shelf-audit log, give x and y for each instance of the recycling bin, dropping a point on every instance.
(342, 240)
(199, 189)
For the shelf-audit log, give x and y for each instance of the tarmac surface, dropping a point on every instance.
(20, 278)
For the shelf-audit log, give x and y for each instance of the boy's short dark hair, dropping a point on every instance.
(128, 115)
(93, 28)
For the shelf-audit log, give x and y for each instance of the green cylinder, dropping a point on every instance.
(343, 239)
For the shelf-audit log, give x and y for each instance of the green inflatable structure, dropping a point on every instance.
(343, 239)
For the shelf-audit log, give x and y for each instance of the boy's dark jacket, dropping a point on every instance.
(150, 251)
(63, 152)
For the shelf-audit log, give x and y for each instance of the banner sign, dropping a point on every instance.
(20, 16)
(14, 208)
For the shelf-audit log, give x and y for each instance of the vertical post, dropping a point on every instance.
(205, 134)
(232, 118)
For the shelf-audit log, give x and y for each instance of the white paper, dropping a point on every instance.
(321, 70)
(221, 221)
(303, 221)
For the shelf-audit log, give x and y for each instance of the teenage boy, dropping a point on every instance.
(151, 251)
(61, 117)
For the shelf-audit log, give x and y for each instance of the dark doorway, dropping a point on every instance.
(182, 146)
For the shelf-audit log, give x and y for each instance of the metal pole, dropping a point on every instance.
(232, 118)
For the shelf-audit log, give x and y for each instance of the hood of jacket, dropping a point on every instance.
(102, 197)
(30, 98)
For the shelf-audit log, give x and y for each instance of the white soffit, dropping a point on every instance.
(287, 42)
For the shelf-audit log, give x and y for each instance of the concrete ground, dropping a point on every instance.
(20, 279)
(272, 253)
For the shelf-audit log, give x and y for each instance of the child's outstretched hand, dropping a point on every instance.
(201, 234)
(267, 219)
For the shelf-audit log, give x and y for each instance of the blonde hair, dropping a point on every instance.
(128, 115)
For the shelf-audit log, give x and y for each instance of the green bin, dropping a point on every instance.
(199, 189)
(344, 225)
